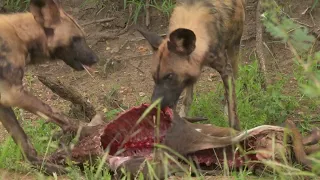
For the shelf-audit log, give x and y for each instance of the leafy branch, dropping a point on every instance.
(298, 40)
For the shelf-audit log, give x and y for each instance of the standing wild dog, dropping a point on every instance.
(201, 33)
(48, 31)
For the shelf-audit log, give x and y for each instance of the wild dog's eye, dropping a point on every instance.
(168, 76)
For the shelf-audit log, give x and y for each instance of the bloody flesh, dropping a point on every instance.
(129, 143)
(126, 139)
(132, 137)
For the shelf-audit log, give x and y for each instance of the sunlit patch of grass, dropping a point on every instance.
(255, 106)
(16, 5)
(39, 132)
(165, 6)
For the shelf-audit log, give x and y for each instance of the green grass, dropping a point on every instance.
(255, 106)
(39, 133)
(16, 5)
(164, 6)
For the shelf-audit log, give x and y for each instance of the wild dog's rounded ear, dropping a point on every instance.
(153, 38)
(182, 41)
(45, 12)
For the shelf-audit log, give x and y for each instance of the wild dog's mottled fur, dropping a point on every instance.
(45, 32)
(201, 33)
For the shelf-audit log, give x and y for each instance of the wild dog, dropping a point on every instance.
(47, 31)
(201, 33)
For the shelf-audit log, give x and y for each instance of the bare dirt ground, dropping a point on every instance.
(125, 60)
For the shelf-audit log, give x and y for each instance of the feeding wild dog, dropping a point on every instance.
(201, 33)
(48, 31)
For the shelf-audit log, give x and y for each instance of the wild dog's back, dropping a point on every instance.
(19, 31)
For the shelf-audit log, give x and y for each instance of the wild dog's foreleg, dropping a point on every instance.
(16, 96)
(187, 101)
(311, 141)
(233, 54)
(221, 64)
(10, 122)
(313, 138)
(298, 147)
(230, 95)
(312, 149)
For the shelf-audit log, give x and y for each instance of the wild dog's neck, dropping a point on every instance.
(29, 31)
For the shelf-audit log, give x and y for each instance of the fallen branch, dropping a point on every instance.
(70, 94)
(99, 21)
(259, 47)
(143, 38)
(296, 21)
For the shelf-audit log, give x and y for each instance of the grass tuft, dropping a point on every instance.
(16, 5)
(255, 106)
(164, 6)
(40, 134)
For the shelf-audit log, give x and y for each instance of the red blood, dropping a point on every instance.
(124, 127)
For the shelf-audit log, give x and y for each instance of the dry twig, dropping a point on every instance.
(274, 58)
(99, 21)
(104, 36)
